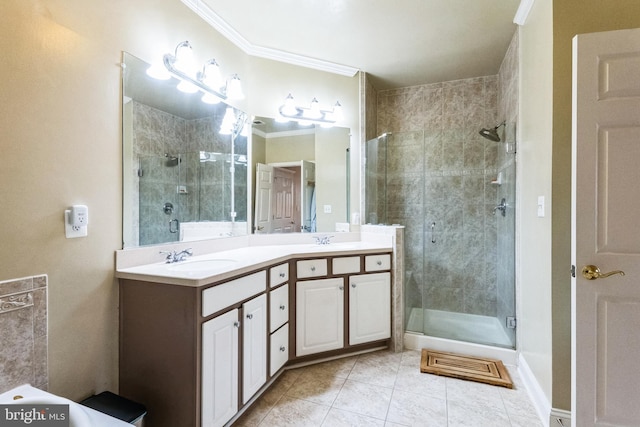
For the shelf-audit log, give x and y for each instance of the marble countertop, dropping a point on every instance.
(211, 267)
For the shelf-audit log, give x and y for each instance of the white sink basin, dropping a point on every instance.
(78, 417)
(201, 265)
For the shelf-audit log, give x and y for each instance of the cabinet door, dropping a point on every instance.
(254, 346)
(319, 316)
(369, 307)
(220, 369)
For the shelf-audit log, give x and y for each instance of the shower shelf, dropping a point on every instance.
(498, 180)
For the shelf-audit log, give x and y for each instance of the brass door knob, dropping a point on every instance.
(591, 272)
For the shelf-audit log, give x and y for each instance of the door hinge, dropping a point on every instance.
(573, 271)
(511, 322)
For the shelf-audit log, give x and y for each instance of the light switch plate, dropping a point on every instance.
(540, 206)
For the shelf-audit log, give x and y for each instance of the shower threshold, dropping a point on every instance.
(471, 328)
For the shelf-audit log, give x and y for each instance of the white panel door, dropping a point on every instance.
(319, 316)
(369, 308)
(606, 230)
(254, 346)
(264, 190)
(220, 369)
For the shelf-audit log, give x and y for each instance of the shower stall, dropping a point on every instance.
(455, 195)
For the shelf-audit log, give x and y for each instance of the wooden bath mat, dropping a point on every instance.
(489, 371)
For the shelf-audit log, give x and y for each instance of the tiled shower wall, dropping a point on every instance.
(439, 173)
(23, 340)
(207, 184)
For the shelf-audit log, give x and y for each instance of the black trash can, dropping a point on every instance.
(118, 407)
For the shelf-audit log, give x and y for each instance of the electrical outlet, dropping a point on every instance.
(72, 231)
(327, 208)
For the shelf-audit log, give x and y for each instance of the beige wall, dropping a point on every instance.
(533, 180)
(545, 169)
(291, 148)
(61, 144)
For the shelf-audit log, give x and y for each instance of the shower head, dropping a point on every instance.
(491, 134)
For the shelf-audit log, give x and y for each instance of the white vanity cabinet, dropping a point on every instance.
(319, 316)
(369, 308)
(220, 368)
(254, 346)
(342, 303)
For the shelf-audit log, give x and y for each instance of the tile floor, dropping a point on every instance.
(387, 389)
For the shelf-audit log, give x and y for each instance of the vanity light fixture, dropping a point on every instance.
(311, 115)
(209, 80)
(232, 125)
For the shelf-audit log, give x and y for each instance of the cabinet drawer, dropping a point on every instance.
(311, 268)
(221, 296)
(278, 274)
(279, 349)
(346, 265)
(279, 307)
(377, 262)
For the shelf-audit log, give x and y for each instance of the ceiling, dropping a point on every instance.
(398, 42)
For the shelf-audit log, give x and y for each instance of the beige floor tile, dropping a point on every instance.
(461, 415)
(323, 389)
(416, 410)
(339, 368)
(379, 368)
(364, 399)
(410, 379)
(387, 389)
(471, 393)
(295, 413)
(340, 418)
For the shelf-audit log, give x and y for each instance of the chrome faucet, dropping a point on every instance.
(175, 256)
(322, 240)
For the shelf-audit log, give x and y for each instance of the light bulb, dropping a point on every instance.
(158, 72)
(187, 87)
(289, 107)
(234, 88)
(314, 111)
(337, 112)
(211, 75)
(228, 121)
(184, 58)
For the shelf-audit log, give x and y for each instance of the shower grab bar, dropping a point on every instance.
(433, 237)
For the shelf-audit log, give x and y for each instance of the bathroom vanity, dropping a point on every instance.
(201, 339)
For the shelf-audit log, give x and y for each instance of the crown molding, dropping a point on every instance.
(523, 12)
(213, 19)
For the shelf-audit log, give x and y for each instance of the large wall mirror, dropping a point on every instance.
(184, 179)
(301, 177)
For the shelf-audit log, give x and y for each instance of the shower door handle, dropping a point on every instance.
(501, 207)
(433, 237)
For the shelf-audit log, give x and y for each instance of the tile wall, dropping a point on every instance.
(435, 175)
(206, 195)
(23, 341)
(439, 171)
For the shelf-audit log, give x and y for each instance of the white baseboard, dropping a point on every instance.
(538, 398)
(560, 418)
